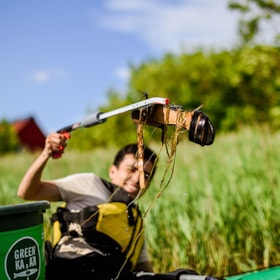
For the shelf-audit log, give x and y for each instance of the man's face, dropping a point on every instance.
(127, 174)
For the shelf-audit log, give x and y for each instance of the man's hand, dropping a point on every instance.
(56, 143)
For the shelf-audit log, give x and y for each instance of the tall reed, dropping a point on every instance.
(219, 214)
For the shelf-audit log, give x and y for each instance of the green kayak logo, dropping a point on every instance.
(22, 261)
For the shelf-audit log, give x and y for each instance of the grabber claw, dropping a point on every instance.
(201, 130)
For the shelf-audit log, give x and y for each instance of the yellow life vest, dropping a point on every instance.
(117, 225)
(121, 223)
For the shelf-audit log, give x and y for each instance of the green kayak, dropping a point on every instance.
(271, 273)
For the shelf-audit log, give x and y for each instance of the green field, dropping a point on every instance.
(219, 214)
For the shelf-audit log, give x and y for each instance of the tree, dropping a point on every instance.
(237, 88)
(255, 14)
(8, 139)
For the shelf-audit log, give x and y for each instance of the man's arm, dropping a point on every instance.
(31, 186)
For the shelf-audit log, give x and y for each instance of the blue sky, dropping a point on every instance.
(59, 58)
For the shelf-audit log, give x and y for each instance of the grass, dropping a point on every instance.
(220, 213)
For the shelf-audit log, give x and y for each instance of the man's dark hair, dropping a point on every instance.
(149, 155)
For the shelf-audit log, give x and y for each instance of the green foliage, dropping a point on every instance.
(8, 138)
(253, 14)
(220, 213)
(237, 88)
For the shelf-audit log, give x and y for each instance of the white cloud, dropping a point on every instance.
(40, 76)
(45, 76)
(169, 25)
(123, 73)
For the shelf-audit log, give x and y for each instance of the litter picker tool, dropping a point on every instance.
(99, 117)
(155, 112)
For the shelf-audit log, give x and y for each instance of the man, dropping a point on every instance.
(85, 251)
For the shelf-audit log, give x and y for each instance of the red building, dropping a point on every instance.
(29, 134)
